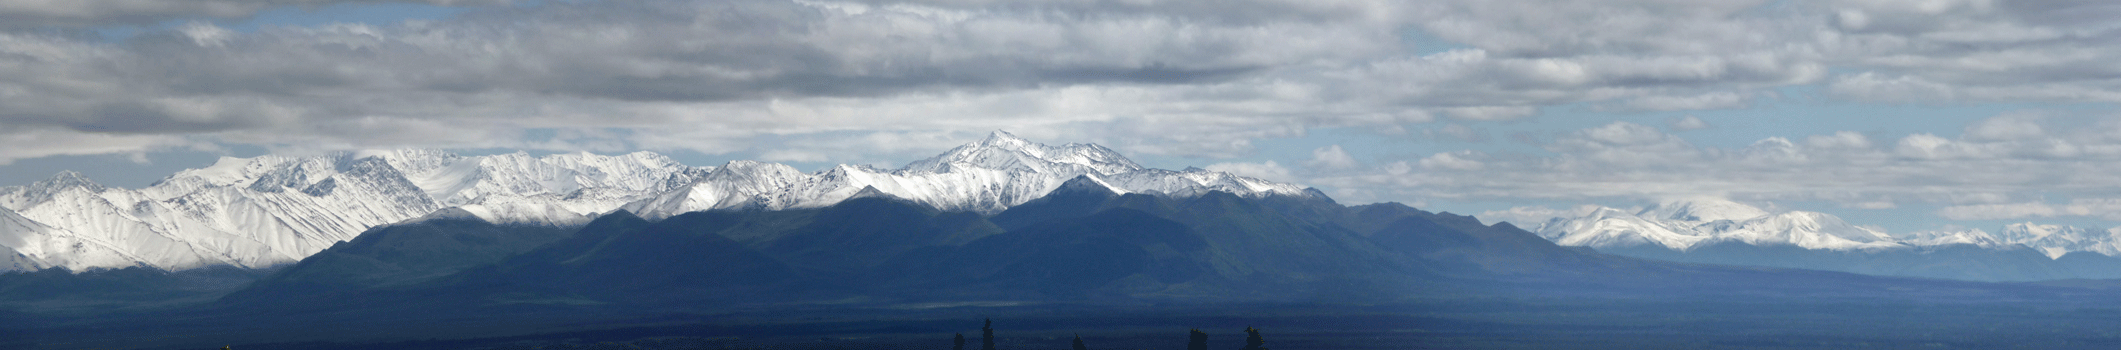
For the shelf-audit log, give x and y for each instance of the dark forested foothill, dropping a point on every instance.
(874, 258)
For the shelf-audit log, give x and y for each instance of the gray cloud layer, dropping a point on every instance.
(2013, 166)
(27, 14)
(839, 81)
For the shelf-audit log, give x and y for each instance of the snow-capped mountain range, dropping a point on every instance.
(263, 211)
(1684, 224)
(2052, 240)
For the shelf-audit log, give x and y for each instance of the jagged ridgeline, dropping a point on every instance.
(1000, 224)
(1085, 242)
(1719, 231)
(272, 210)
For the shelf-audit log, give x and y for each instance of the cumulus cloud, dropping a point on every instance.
(2103, 208)
(1976, 176)
(1462, 160)
(1462, 132)
(1624, 143)
(1688, 123)
(1839, 140)
(1997, 211)
(1938, 51)
(1716, 100)
(1331, 158)
(1529, 217)
(2011, 127)
(45, 141)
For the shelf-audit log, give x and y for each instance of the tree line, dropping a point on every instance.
(1196, 340)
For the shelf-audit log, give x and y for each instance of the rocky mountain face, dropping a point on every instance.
(271, 210)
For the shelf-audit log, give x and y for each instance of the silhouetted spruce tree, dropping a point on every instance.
(1199, 341)
(1253, 341)
(1079, 342)
(986, 338)
(958, 343)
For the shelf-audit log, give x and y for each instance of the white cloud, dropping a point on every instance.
(792, 156)
(1927, 146)
(1997, 211)
(861, 81)
(2007, 127)
(1873, 205)
(1530, 217)
(1973, 177)
(1490, 112)
(1156, 78)
(1846, 140)
(34, 142)
(1461, 161)
(1688, 123)
(1624, 143)
(1773, 150)
(1714, 100)
(1625, 134)
(2103, 208)
(1463, 133)
(1875, 87)
(1331, 158)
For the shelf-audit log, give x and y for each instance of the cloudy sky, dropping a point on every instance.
(1906, 114)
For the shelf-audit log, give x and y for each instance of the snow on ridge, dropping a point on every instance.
(1683, 224)
(268, 210)
(986, 176)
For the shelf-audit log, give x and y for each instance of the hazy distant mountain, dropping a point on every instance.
(264, 211)
(1711, 230)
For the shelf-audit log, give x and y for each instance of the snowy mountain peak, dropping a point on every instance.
(872, 192)
(1683, 224)
(268, 210)
(44, 190)
(1006, 152)
(65, 180)
(986, 176)
(1975, 237)
(1086, 184)
(1811, 230)
(1702, 209)
(1003, 139)
(2033, 231)
(2056, 240)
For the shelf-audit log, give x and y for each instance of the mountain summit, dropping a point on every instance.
(1719, 231)
(1685, 224)
(1006, 152)
(269, 210)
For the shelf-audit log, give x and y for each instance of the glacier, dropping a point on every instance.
(270, 210)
